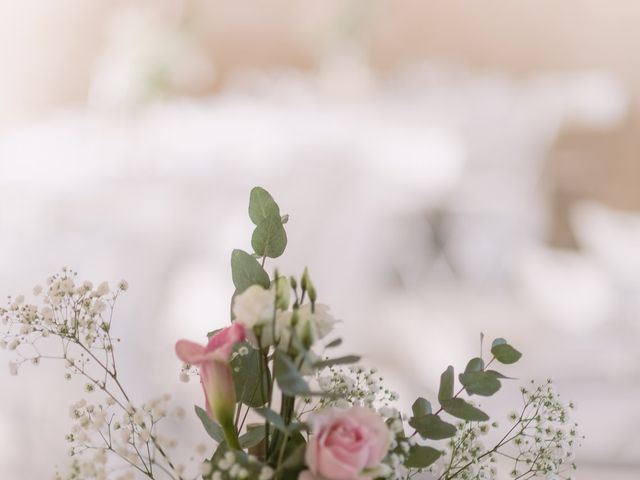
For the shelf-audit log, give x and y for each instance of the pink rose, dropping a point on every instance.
(215, 374)
(346, 443)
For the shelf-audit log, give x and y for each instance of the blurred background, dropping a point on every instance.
(450, 168)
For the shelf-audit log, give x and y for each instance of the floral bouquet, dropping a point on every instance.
(277, 404)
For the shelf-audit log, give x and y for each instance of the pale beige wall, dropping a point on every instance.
(47, 47)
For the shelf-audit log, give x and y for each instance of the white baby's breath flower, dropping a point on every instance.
(102, 289)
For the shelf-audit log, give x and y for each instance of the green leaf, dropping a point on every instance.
(504, 352)
(212, 428)
(461, 409)
(262, 206)
(295, 459)
(475, 365)
(497, 374)
(337, 361)
(421, 456)
(246, 271)
(278, 422)
(269, 238)
(480, 383)
(433, 427)
(273, 418)
(253, 436)
(288, 377)
(334, 343)
(246, 376)
(420, 407)
(446, 385)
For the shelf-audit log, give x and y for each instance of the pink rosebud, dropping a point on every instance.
(215, 373)
(346, 445)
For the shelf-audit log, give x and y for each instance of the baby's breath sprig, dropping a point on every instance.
(80, 317)
(539, 444)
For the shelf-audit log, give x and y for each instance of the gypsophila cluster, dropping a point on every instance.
(71, 322)
(539, 443)
(354, 385)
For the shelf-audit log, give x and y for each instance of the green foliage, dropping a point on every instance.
(420, 407)
(504, 352)
(457, 407)
(475, 365)
(480, 383)
(446, 385)
(288, 377)
(432, 427)
(269, 238)
(246, 376)
(347, 359)
(421, 456)
(278, 422)
(262, 206)
(253, 436)
(246, 271)
(211, 427)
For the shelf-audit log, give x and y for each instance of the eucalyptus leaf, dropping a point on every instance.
(247, 271)
(334, 343)
(347, 359)
(262, 206)
(211, 427)
(269, 238)
(457, 407)
(295, 460)
(432, 427)
(253, 436)
(421, 456)
(475, 365)
(497, 374)
(480, 383)
(246, 376)
(273, 418)
(504, 352)
(288, 377)
(420, 407)
(446, 385)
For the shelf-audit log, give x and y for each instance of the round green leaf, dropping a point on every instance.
(504, 352)
(262, 206)
(269, 238)
(421, 407)
(247, 271)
